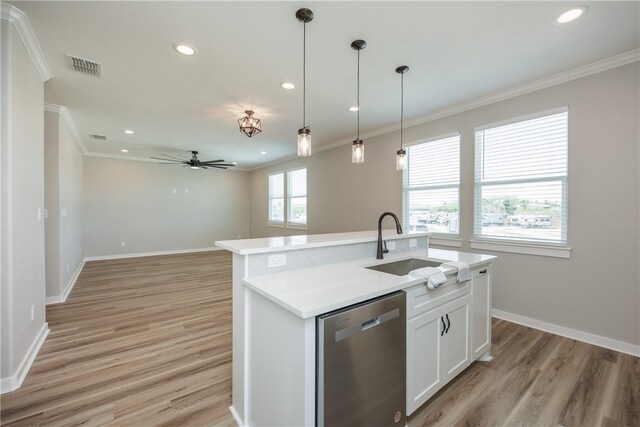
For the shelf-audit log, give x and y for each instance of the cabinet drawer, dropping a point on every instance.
(421, 299)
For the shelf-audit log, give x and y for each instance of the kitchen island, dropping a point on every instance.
(281, 284)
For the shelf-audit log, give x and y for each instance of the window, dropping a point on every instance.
(431, 186)
(288, 209)
(521, 180)
(297, 197)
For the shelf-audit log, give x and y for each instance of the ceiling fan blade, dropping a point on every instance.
(168, 163)
(221, 164)
(212, 161)
(171, 157)
(217, 167)
(167, 160)
(203, 167)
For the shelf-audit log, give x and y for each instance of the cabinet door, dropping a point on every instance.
(481, 322)
(456, 354)
(424, 372)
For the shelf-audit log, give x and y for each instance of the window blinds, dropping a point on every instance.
(521, 179)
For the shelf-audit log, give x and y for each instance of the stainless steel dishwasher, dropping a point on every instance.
(361, 371)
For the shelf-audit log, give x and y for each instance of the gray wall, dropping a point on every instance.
(22, 181)
(134, 202)
(63, 193)
(597, 290)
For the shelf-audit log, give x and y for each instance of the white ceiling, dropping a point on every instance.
(457, 51)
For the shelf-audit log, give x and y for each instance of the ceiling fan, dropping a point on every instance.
(193, 163)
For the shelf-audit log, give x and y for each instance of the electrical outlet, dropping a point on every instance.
(33, 312)
(277, 260)
(63, 212)
(123, 244)
(175, 191)
(67, 267)
(46, 213)
(186, 191)
(40, 214)
(413, 243)
(391, 246)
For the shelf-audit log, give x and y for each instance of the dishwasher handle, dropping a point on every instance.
(345, 333)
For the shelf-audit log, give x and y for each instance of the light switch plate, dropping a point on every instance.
(277, 260)
(413, 243)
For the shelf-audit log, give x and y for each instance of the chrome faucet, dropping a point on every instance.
(380, 251)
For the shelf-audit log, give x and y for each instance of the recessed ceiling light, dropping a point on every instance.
(570, 14)
(124, 150)
(184, 49)
(354, 108)
(287, 85)
(263, 152)
(128, 131)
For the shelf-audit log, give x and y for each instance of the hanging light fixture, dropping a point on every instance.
(357, 150)
(304, 133)
(401, 155)
(249, 125)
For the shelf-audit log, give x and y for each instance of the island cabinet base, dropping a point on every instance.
(280, 350)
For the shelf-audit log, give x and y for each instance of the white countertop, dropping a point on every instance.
(288, 243)
(309, 292)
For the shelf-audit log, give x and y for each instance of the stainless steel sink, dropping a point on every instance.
(402, 268)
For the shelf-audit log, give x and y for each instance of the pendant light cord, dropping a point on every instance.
(401, 106)
(304, 75)
(358, 95)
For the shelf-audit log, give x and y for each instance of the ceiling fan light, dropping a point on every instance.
(401, 158)
(250, 125)
(304, 142)
(195, 167)
(357, 151)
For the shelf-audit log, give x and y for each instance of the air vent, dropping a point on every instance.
(99, 137)
(85, 66)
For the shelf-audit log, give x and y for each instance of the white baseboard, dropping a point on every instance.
(236, 416)
(621, 346)
(57, 299)
(15, 381)
(143, 254)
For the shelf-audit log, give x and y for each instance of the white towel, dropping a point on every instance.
(435, 277)
(463, 270)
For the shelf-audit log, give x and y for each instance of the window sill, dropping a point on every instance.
(453, 242)
(296, 226)
(522, 248)
(275, 224)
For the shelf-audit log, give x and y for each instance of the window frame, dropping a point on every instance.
(286, 223)
(532, 246)
(444, 239)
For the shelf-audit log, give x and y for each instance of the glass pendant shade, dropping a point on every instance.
(401, 158)
(249, 125)
(304, 142)
(357, 151)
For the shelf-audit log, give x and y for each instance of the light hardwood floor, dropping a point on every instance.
(147, 341)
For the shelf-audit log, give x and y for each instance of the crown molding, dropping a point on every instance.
(546, 82)
(21, 23)
(68, 119)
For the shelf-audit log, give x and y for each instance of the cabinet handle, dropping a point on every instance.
(449, 325)
(443, 326)
(483, 271)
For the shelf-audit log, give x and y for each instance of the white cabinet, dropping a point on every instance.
(437, 349)
(481, 321)
(447, 329)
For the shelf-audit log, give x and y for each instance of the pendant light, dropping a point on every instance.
(304, 133)
(401, 155)
(250, 125)
(357, 150)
